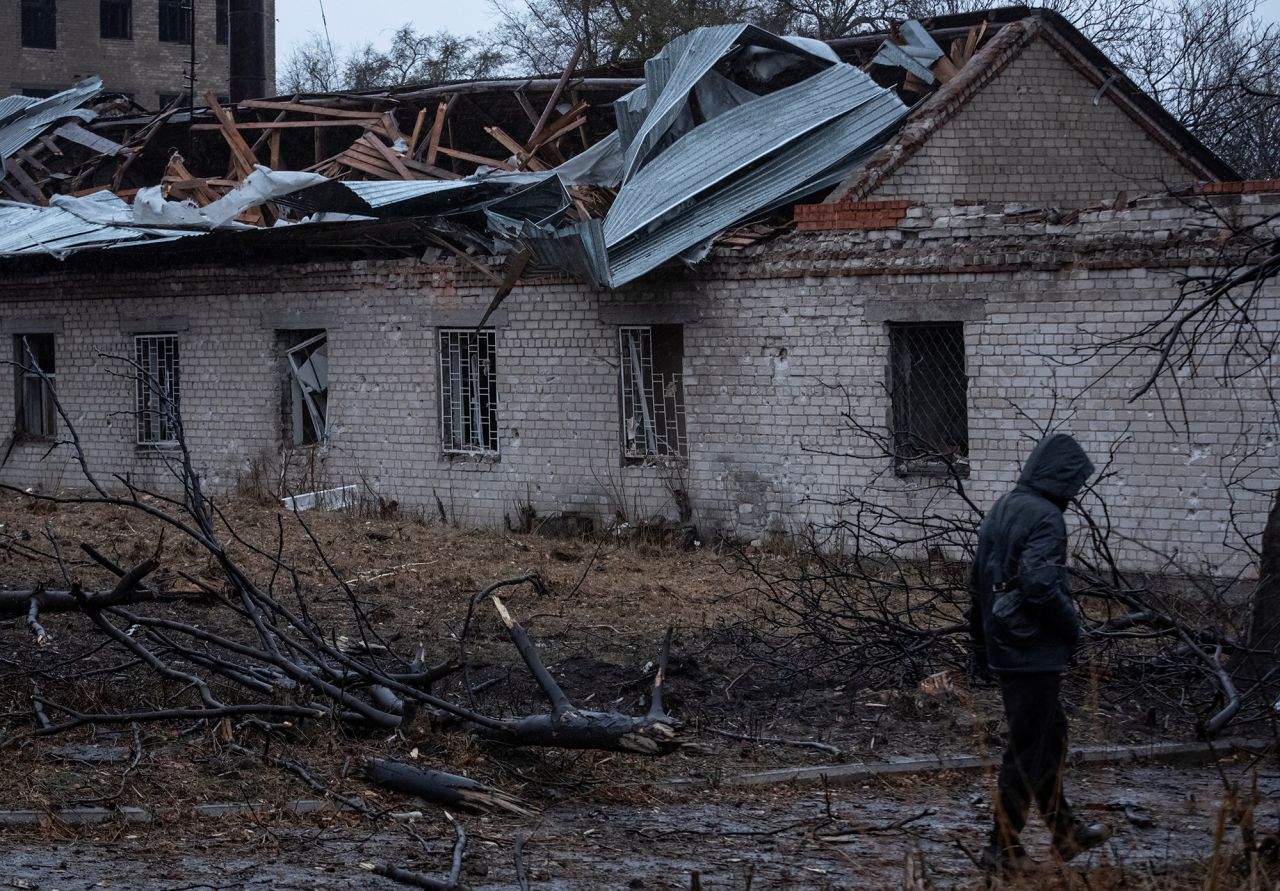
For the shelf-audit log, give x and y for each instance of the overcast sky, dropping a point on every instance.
(356, 22)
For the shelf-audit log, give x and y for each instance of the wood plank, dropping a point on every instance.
(522, 155)
(291, 125)
(303, 108)
(527, 106)
(475, 159)
(389, 156)
(430, 169)
(357, 163)
(437, 128)
(240, 151)
(273, 141)
(25, 182)
(417, 130)
(555, 94)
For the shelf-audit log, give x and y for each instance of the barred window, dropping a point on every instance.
(928, 389)
(40, 24)
(222, 10)
(158, 388)
(651, 388)
(175, 21)
(468, 391)
(37, 415)
(115, 19)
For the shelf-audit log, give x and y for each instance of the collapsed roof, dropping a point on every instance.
(620, 174)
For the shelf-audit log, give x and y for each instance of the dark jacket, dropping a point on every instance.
(1022, 617)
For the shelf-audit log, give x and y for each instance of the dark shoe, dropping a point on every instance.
(1083, 837)
(1007, 861)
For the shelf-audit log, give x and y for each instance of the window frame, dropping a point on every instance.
(170, 386)
(641, 406)
(114, 11)
(28, 13)
(479, 437)
(170, 15)
(306, 408)
(905, 354)
(44, 379)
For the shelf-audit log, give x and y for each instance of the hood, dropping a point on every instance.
(1057, 467)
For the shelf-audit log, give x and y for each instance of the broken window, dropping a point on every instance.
(39, 24)
(115, 19)
(928, 389)
(652, 392)
(35, 378)
(468, 391)
(175, 21)
(158, 389)
(307, 361)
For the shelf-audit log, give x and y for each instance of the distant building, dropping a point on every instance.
(139, 47)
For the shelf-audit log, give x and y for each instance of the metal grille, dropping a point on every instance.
(175, 21)
(156, 356)
(652, 391)
(39, 24)
(115, 19)
(929, 390)
(36, 411)
(468, 391)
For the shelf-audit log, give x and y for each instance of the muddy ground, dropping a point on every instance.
(605, 821)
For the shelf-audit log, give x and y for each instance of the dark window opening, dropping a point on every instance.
(468, 391)
(158, 389)
(39, 93)
(305, 356)
(39, 24)
(37, 414)
(929, 394)
(115, 19)
(175, 21)
(651, 393)
(223, 12)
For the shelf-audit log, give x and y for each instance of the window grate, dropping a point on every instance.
(651, 384)
(468, 391)
(158, 388)
(115, 19)
(40, 24)
(37, 414)
(175, 21)
(929, 394)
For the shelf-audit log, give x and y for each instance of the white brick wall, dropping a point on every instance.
(1034, 135)
(766, 339)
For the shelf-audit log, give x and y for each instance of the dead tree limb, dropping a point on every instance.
(438, 787)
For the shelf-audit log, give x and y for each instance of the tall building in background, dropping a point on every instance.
(138, 47)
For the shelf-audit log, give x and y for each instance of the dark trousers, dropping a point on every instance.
(1033, 759)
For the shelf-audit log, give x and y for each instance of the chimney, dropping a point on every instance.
(248, 49)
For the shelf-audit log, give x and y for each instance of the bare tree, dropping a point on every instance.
(412, 57)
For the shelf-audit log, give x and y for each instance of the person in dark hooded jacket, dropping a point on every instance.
(1025, 627)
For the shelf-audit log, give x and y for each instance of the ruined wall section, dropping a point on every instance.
(1038, 134)
(783, 348)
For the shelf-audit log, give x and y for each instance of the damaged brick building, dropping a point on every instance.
(925, 312)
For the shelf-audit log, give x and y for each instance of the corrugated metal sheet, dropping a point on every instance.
(56, 230)
(22, 118)
(787, 175)
(721, 148)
